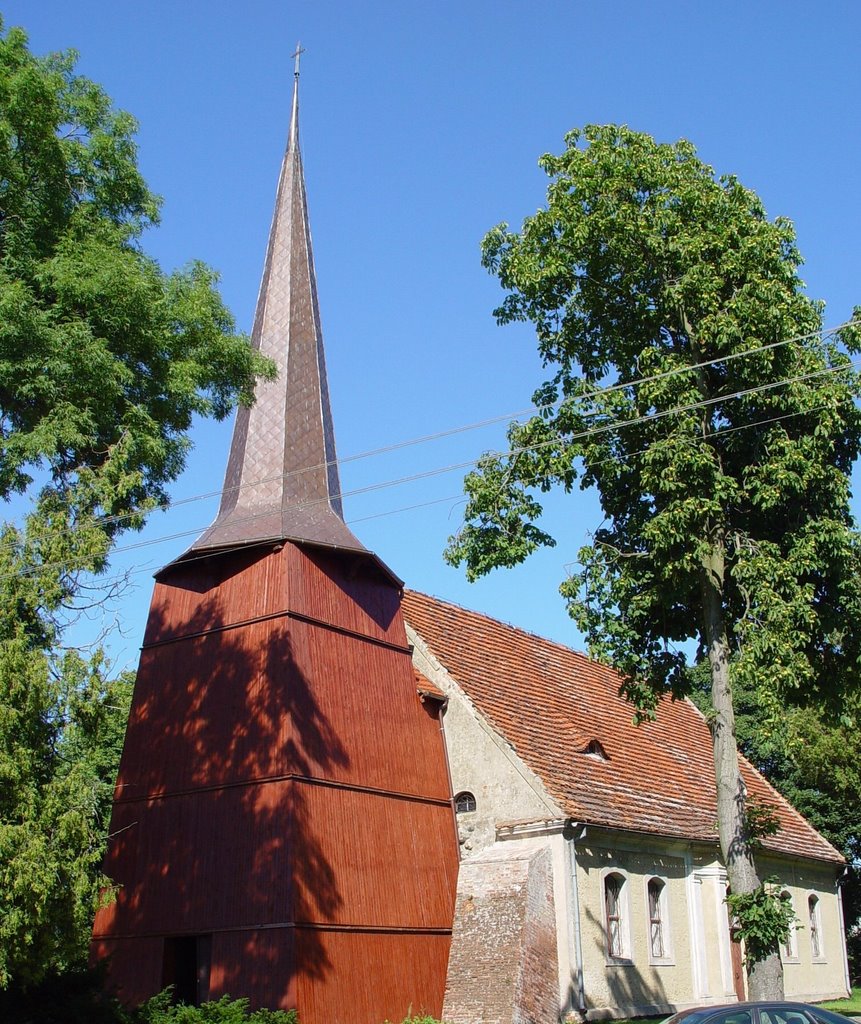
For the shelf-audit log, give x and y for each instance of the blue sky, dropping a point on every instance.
(421, 126)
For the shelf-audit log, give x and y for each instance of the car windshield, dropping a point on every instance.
(824, 1016)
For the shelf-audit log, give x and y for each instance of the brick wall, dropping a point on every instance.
(503, 963)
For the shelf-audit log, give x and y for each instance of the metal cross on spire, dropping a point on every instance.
(297, 53)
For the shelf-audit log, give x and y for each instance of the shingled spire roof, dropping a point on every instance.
(282, 477)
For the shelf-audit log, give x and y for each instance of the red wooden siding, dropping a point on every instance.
(346, 590)
(281, 778)
(390, 975)
(278, 852)
(135, 966)
(261, 964)
(279, 697)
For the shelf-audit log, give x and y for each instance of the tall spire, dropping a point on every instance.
(282, 477)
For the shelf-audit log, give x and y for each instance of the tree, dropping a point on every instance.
(104, 361)
(816, 764)
(692, 384)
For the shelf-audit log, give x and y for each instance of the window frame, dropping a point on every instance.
(622, 917)
(468, 795)
(663, 921)
(814, 924)
(789, 949)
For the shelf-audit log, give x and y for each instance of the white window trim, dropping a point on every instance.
(790, 956)
(624, 918)
(668, 959)
(821, 957)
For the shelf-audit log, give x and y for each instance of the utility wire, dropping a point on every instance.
(452, 431)
(438, 471)
(191, 559)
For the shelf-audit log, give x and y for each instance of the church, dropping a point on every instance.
(589, 844)
(361, 802)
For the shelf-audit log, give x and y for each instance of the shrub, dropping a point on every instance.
(160, 1010)
(72, 997)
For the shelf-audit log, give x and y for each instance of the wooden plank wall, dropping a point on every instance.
(283, 789)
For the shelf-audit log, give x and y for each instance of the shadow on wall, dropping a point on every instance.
(213, 835)
(376, 602)
(628, 986)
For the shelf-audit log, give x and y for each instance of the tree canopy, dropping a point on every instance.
(104, 361)
(690, 381)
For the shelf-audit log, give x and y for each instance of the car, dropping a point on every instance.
(759, 1013)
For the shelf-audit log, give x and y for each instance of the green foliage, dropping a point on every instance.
(691, 384)
(104, 361)
(816, 764)
(61, 727)
(762, 919)
(420, 1019)
(76, 996)
(654, 288)
(160, 1010)
(79, 996)
(761, 820)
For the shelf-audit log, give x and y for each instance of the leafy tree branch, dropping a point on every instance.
(105, 360)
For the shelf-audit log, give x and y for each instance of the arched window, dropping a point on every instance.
(815, 927)
(657, 940)
(790, 946)
(614, 913)
(464, 802)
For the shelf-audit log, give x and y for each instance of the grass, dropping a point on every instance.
(641, 1020)
(850, 1006)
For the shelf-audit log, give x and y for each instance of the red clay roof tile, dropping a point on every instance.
(550, 702)
(426, 687)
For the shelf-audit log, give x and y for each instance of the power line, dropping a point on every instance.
(241, 547)
(438, 471)
(453, 431)
(405, 508)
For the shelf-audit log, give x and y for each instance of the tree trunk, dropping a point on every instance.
(765, 977)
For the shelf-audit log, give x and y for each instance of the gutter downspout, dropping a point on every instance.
(846, 979)
(443, 707)
(574, 832)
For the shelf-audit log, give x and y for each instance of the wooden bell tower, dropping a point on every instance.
(282, 826)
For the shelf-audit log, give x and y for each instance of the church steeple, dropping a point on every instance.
(282, 475)
(275, 699)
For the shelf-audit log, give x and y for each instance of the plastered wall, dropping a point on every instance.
(482, 763)
(637, 978)
(695, 966)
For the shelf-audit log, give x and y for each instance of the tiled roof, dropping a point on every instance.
(552, 703)
(426, 688)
